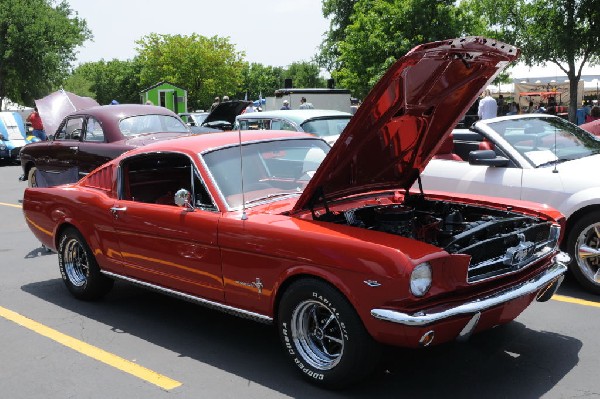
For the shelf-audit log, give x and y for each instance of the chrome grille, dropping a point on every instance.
(508, 253)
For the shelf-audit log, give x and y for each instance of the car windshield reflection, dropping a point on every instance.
(270, 169)
(545, 140)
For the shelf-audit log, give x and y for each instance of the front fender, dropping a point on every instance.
(579, 200)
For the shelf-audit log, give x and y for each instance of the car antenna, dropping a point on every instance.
(555, 170)
(244, 215)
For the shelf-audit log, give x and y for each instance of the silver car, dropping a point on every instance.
(327, 124)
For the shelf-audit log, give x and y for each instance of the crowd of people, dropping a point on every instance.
(489, 107)
(304, 104)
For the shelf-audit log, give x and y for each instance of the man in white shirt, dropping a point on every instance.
(488, 108)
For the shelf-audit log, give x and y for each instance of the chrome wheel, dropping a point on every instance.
(76, 262)
(587, 248)
(78, 267)
(317, 334)
(31, 180)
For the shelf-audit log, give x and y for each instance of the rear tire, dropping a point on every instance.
(583, 245)
(323, 335)
(79, 269)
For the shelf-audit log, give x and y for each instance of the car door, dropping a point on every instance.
(161, 243)
(462, 177)
(58, 163)
(93, 149)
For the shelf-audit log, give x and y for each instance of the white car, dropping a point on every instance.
(534, 157)
(323, 123)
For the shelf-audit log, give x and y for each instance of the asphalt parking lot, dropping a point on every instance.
(140, 344)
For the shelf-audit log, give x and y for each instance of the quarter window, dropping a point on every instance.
(94, 131)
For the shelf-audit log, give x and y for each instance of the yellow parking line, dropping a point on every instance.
(92, 351)
(575, 300)
(13, 205)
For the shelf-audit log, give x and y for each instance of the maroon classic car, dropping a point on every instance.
(92, 136)
(330, 245)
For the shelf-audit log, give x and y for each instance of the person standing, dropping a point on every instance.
(37, 125)
(594, 114)
(286, 105)
(214, 105)
(304, 104)
(488, 108)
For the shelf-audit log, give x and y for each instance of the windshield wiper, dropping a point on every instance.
(554, 162)
(275, 195)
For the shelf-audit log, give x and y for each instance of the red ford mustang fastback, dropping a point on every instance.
(328, 244)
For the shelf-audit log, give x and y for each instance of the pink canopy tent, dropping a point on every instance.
(55, 106)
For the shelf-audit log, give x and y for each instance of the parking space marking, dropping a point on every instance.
(569, 299)
(13, 205)
(92, 351)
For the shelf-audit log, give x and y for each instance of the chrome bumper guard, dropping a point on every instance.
(552, 275)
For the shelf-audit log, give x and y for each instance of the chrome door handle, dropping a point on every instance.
(115, 211)
(75, 148)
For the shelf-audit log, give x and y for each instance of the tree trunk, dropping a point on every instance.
(573, 104)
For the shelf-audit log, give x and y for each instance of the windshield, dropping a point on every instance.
(544, 140)
(271, 169)
(199, 118)
(326, 126)
(141, 124)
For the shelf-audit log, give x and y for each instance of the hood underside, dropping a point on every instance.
(404, 119)
(226, 112)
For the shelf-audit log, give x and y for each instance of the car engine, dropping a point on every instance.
(498, 241)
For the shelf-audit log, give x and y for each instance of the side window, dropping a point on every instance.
(285, 125)
(155, 178)
(93, 131)
(71, 129)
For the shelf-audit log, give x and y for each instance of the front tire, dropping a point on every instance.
(79, 269)
(583, 245)
(323, 335)
(31, 179)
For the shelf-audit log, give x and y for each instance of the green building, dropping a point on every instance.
(166, 95)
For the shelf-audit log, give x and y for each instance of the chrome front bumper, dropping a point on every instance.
(548, 279)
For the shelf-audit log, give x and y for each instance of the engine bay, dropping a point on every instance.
(488, 235)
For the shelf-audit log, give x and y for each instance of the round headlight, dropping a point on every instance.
(420, 279)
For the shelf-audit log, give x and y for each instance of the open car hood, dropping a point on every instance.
(55, 106)
(226, 111)
(404, 119)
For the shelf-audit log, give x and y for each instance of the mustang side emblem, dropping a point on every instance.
(256, 284)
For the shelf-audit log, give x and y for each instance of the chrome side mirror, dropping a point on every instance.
(182, 199)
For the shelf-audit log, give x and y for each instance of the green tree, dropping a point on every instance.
(381, 31)
(305, 74)
(37, 45)
(259, 79)
(205, 66)
(107, 80)
(339, 13)
(561, 32)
